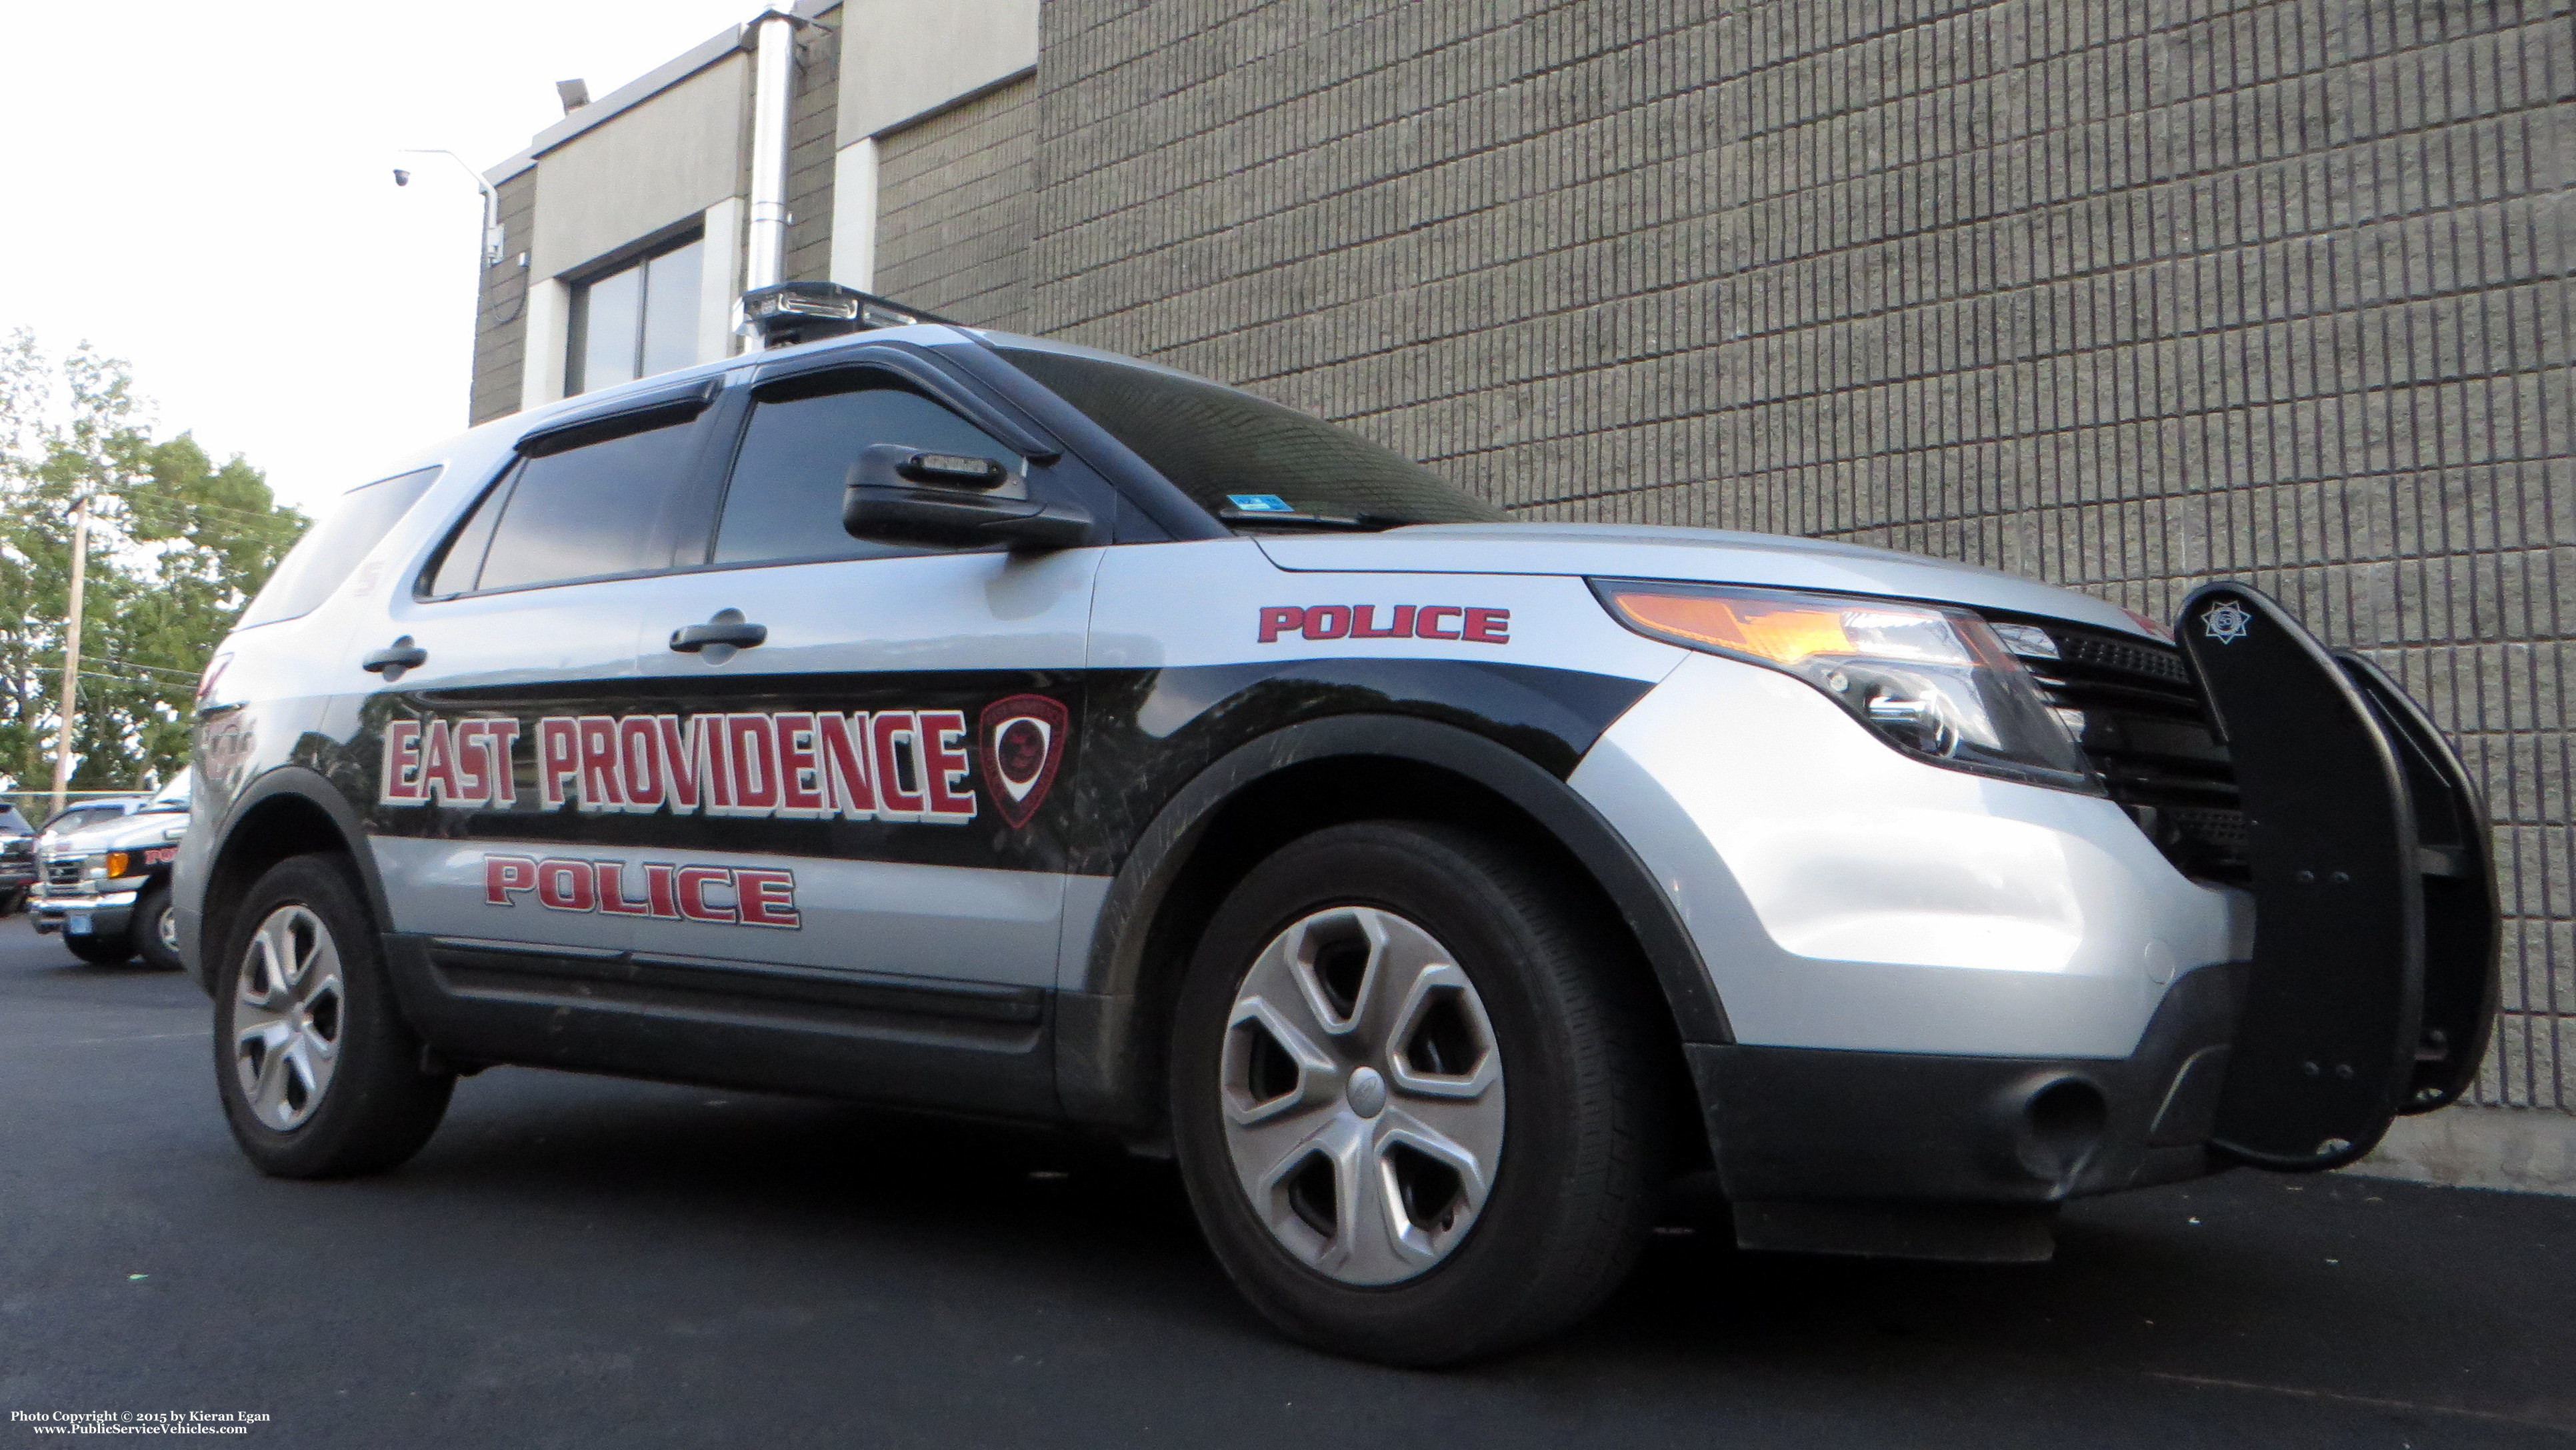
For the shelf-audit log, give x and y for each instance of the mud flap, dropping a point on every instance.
(2324, 1055)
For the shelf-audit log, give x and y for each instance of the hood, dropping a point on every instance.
(1712, 556)
(127, 832)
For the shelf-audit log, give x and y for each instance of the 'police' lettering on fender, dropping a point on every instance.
(1465, 623)
(722, 895)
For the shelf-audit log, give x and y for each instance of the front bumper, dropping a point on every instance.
(1942, 1034)
(1925, 1155)
(103, 915)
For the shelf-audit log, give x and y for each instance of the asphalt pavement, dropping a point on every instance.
(582, 1261)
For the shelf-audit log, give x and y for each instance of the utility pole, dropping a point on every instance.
(71, 655)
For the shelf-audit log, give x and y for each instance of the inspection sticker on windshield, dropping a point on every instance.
(1259, 503)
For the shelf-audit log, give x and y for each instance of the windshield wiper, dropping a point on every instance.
(1281, 518)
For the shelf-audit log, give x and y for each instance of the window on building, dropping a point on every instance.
(577, 514)
(785, 498)
(634, 322)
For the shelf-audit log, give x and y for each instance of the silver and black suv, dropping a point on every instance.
(985, 725)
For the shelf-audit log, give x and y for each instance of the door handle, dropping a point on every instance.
(395, 658)
(725, 628)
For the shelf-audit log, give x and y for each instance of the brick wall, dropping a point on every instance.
(812, 119)
(501, 308)
(954, 209)
(2119, 293)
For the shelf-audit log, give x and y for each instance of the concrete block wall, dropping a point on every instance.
(955, 208)
(813, 120)
(501, 308)
(2124, 294)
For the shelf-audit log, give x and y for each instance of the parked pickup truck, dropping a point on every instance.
(105, 886)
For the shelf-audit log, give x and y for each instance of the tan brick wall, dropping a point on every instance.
(954, 209)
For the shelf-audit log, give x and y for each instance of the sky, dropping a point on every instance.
(206, 191)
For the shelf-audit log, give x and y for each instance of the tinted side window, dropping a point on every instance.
(326, 554)
(576, 514)
(785, 498)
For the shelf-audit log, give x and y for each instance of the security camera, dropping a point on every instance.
(401, 177)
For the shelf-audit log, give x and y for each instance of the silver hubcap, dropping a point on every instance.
(167, 929)
(1363, 1095)
(287, 1017)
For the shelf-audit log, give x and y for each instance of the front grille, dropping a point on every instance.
(2140, 720)
(63, 873)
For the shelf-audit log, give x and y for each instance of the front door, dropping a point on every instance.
(871, 740)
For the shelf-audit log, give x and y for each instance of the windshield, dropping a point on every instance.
(1247, 460)
(171, 797)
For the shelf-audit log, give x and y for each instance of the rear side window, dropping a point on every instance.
(325, 555)
(576, 514)
(784, 501)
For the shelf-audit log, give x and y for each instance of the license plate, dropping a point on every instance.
(75, 926)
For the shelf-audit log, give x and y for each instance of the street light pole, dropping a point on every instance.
(71, 655)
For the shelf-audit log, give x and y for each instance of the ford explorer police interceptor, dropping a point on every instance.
(965, 721)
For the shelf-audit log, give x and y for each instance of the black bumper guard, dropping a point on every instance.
(2374, 979)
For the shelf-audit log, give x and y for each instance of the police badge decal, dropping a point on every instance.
(1022, 741)
(2226, 621)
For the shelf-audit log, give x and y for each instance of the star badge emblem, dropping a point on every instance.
(2226, 621)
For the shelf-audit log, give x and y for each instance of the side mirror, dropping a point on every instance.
(900, 495)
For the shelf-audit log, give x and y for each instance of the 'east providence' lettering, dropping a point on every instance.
(889, 765)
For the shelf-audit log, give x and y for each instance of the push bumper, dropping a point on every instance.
(2368, 993)
(104, 915)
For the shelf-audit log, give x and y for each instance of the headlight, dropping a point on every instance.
(1931, 681)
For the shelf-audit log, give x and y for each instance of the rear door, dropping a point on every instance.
(497, 666)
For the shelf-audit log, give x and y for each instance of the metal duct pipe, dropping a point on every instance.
(773, 88)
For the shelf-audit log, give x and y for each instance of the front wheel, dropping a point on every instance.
(320, 1077)
(156, 928)
(1410, 1097)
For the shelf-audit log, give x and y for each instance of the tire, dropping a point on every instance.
(320, 1077)
(105, 950)
(1495, 979)
(155, 931)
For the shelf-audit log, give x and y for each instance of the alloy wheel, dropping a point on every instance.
(287, 1017)
(1363, 1095)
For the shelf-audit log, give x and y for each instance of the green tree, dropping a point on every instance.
(178, 544)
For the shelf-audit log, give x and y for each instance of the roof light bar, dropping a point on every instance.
(786, 313)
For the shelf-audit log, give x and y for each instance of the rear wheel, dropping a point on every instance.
(156, 928)
(1409, 1097)
(319, 1075)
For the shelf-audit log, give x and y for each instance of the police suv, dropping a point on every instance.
(982, 724)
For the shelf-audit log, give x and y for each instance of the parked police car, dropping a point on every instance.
(960, 720)
(104, 882)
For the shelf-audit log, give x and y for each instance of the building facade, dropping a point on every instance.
(2122, 294)
(907, 171)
